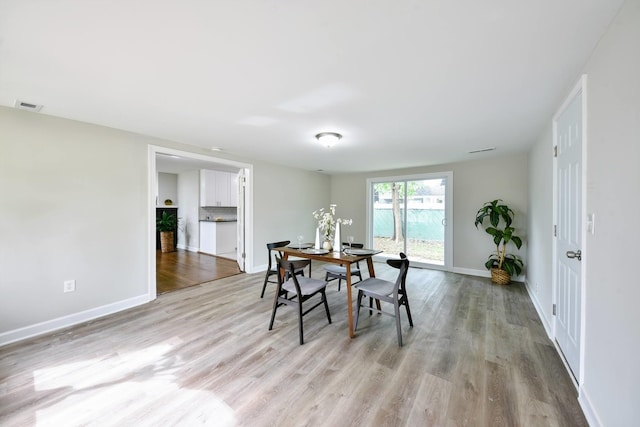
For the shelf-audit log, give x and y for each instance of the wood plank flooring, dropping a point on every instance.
(477, 356)
(182, 269)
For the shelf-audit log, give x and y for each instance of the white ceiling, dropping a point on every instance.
(406, 82)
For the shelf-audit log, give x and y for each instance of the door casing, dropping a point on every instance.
(248, 208)
(579, 88)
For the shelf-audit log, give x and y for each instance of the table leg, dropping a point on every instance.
(349, 301)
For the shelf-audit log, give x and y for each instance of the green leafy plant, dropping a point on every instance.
(167, 222)
(501, 219)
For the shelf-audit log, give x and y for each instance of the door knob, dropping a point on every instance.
(577, 254)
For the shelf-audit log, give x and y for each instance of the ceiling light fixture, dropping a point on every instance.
(328, 139)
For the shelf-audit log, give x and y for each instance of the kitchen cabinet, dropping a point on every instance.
(218, 237)
(233, 189)
(218, 188)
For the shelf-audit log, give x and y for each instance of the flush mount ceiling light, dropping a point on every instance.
(328, 139)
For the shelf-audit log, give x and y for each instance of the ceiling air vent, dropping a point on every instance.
(482, 150)
(22, 105)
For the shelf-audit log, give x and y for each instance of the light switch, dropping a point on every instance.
(591, 223)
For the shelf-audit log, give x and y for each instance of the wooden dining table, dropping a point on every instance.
(340, 258)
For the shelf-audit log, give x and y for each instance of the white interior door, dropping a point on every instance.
(240, 249)
(569, 214)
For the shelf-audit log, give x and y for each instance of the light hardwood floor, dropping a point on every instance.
(181, 269)
(477, 356)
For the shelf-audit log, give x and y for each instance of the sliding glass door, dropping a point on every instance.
(409, 214)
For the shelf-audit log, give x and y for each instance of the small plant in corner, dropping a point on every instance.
(167, 224)
(501, 264)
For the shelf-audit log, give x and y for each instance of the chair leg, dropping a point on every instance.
(406, 306)
(326, 306)
(358, 310)
(300, 321)
(396, 309)
(273, 312)
(339, 283)
(264, 286)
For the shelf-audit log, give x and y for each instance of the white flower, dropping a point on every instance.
(327, 223)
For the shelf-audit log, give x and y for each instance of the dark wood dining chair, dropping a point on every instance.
(339, 272)
(386, 291)
(301, 289)
(272, 268)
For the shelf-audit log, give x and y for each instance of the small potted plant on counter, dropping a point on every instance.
(501, 264)
(167, 225)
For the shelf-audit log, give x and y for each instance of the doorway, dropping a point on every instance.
(182, 269)
(187, 253)
(569, 210)
(410, 214)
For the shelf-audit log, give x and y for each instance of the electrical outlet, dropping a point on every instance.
(69, 286)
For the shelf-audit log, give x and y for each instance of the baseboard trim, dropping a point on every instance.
(541, 314)
(483, 273)
(70, 320)
(188, 248)
(588, 409)
(472, 272)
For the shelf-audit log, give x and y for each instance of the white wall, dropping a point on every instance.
(76, 205)
(168, 188)
(474, 182)
(189, 194)
(609, 394)
(540, 226)
(612, 371)
(289, 196)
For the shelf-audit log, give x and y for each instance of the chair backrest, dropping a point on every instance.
(354, 245)
(272, 246)
(403, 265)
(290, 267)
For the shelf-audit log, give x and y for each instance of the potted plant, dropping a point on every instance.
(167, 225)
(501, 264)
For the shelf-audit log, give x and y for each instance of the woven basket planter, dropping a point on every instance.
(500, 277)
(166, 241)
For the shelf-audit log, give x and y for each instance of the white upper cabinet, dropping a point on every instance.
(233, 189)
(218, 188)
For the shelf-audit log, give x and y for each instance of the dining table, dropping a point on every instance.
(345, 257)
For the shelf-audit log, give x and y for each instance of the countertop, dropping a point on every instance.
(218, 220)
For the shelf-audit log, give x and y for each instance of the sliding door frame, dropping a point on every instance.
(448, 212)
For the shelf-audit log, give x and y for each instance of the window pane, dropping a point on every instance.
(425, 221)
(409, 216)
(388, 204)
